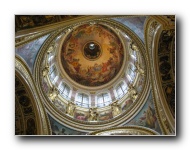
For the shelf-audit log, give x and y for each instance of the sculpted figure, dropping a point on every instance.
(53, 93)
(93, 115)
(133, 92)
(70, 108)
(51, 48)
(45, 71)
(139, 69)
(133, 46)
(116, 110)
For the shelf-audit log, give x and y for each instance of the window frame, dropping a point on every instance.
(104, 101)
(62, 90)
(81, 103)
(121, 87)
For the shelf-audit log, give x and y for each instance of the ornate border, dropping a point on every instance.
(42, 120)
(153, 27)
(127, 130)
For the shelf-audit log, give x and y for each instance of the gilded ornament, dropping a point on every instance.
(139, 69)
(133, 92)
(116, 108)
(70, 108)
(45, 71)
(51, 48)
(93, 115)
(133, 46)
(53, 93)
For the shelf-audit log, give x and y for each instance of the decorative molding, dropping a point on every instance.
(23, 71)
(19, 41)
(152, 34)
(126, 131)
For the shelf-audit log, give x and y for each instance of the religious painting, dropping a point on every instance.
(59, 129)
(92, 55)
(140, 82)
(127, 104)
(81, 116)
(136, 24)
(147, 116)
(29, 51)
(103, 116)
(59, 105)
(23, 22)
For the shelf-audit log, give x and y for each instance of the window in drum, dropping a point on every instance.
(82, 100)
(131, 72)
(121, 90)
(103, 100)
(64, 90)
(53, 73)
(134, 55)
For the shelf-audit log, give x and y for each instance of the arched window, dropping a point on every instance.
(82, 100)
(131, 73)
(53, 73)
(134, 55)
(50, 58)
(55, 80)
(64, 90)
(103, 99)
(121, 89)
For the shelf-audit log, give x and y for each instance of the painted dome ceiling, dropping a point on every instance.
(93, 73)
(92, 55)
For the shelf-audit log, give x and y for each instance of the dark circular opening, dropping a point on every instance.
(92, 50)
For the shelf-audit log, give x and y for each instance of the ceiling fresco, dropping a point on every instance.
(59, 129)
(136, 24)
(25, 119)
(166, 54)
(92, 55)
(147, 116)
(23, 22)
(29, 51)
(91, 49)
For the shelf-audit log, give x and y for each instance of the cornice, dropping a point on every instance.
(127, 130)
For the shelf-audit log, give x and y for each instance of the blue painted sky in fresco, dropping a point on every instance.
(30, 50)
(136, 24)
(59, 129)
(142, 114)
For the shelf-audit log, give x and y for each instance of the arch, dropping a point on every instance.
(30, 115)
(154, 40)
(126, 130)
